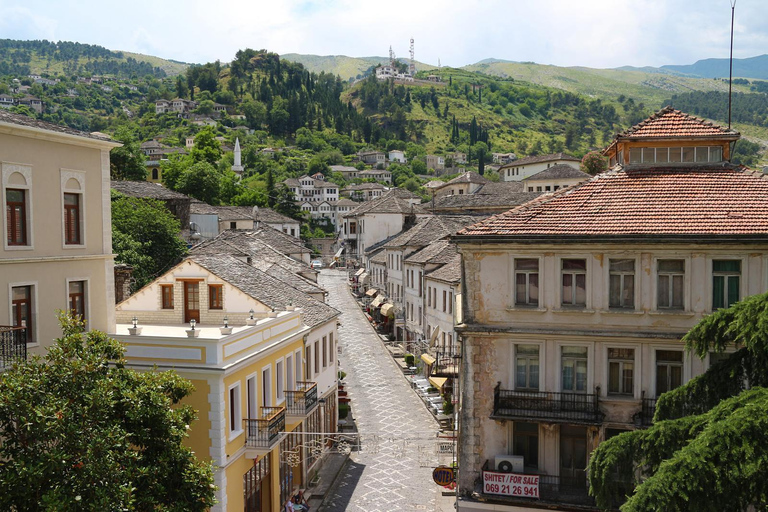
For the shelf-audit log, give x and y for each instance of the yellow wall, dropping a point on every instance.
(199, 439)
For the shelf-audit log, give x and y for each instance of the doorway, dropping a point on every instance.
(191, 301)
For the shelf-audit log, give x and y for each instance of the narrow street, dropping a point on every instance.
(393, 469)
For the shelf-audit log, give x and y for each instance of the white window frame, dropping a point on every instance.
(637, 280)
(542, 363)
(35, 308)
(637, 378)
(686, 283)
(624, 393)
(298, 364)
(26, 172)
(79, 176)
(290, 379)
(686, 374)
(86, 298)
(590, 365)
(238, 409)
(252, 402)
(588, 289)
(266, 391)
(513, 283)
(280, 381)
(744, 278)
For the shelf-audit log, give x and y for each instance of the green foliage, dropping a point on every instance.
(201, 181)
(127, 162)
(173, 167)
(206, 148)
(707, 448)
(746, 153)
(83, 432)
(594, 163)
(146, 236)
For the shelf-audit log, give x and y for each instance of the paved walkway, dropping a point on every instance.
(393, 469)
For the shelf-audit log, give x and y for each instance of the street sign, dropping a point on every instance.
(443, 475)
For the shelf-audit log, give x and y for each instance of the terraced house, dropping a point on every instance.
(262, 357)
(575, 304)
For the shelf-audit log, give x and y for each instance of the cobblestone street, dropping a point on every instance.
(393, 469)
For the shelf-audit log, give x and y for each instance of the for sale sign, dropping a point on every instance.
(511, 484)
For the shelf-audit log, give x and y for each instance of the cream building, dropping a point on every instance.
(262, 357)
(57, 242)
(575, 304)
(530, 165)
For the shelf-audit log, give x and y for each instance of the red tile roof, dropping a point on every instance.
(701, 201)
(669, 123)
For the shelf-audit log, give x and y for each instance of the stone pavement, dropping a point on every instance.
(393, 469)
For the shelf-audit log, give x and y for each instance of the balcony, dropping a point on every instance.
(13, 345)
(264, 433)
(546, 406)
(644, 418)
(301, 401)
(446, 363)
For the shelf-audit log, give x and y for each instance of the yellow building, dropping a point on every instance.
(265, 383)
(56, 252)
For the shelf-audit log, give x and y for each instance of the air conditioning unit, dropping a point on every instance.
(509, 463)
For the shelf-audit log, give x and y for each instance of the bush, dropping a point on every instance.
(409, 359)
(343, 410)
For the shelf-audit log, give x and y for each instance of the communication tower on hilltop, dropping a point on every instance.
(391, 56)
(412, 66)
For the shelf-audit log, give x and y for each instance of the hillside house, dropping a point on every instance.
(528, 166)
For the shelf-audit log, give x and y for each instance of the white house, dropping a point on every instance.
(528, 166)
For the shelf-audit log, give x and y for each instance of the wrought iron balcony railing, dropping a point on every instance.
(446, 362)
(13, 345)
(644, 417)
(302, 400)
(547, 406)
(264, 432)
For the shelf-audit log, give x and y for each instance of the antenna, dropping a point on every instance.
(412, 69)
(730, 75)
(391, 57)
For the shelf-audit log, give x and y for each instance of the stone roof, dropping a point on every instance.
(231, 213)
(366, 186)
(292, 182)
(559, 172)
(372, 172)
(146, 189)
(669, 123)
(266, 289)
(541, 158)
(449, 273)
(392, 201)
(492, 195)
(290, 278)
(7, 117)
(692, 202)
(342, 168)
(438, 252)
(378, 256)
(467, 177)
(346, 202)
(434, 184)
(428, 229)
(283, 242)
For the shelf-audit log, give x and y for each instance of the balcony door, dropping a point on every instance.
(191, 301)
(573, 456)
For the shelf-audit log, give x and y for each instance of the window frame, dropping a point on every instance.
(589, 370)
(235, 410)
(683, 367)
(726, 275)
(623, 273)
(82, 214)
(527, 273)
(622, 392)
(33, 308)
(515, 355)
(167, 305)
(11, 209)
(670, 292)
(25, 172)
(280, 381)
(574, 273)
(86, 296)
(216, 299)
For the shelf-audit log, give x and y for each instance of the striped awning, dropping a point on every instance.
(377, 301)
(360, 271)
(388, 309)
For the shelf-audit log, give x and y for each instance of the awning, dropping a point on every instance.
(427, 358)
(371, 292)
(438, 382)
(360, 271)
(338, 253)
(363, 277)
(377, 301)
(388, 309)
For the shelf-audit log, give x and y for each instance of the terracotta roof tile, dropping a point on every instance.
(701, 201)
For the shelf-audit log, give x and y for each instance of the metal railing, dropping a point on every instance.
(264, 432)
(647, 410)
(446, 362)
(13, 345)
(302, 400)
(547, 405)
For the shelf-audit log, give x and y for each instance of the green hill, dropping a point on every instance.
(346, 67)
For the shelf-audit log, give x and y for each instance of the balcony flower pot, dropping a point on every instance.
(134, 331)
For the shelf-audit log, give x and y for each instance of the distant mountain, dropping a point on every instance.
(753, 67)
(493, 61)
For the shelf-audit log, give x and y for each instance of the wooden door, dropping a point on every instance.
(191, 301)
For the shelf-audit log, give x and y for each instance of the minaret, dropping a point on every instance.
(238, 167)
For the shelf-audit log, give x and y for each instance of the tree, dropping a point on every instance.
(285, 203)
(172, 169)
(255, 113)
(127, 162)
(83, 432)
(141, 229)
(206, 148)
(706, 449)
(201, 181)
(593, 163)
(271, 195)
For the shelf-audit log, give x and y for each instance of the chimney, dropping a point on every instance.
(123, 282)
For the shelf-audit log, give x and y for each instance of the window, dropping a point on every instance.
(526, 367)
(72, 234)
(621, 286)
(21, 310)
(420, 283)
(251, 402)
(525, 442)
(574, 366)
(166, 291)
(266, 387)
(716, 357)
(325, 352)
(16, 216)
(77, 298)
(444, 301)
(450, 302)
(235, 413)
(279, 378)
(330, 348)
(671, 274)
(155, 174)
(726, 277)
(527, 281)
(574, 282)
(669, 370)
(420, 315)
(214, 296)
(434, 298)
(317, 357)
(298, 364)
(621, 371)
(429, 296)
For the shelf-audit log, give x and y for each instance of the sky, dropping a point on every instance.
(593, 33)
